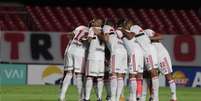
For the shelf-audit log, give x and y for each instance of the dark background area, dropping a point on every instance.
(180, 4)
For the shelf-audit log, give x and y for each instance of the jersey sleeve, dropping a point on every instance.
(136, 29)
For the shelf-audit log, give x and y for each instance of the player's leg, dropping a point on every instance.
(65, 84)
(140, 69)
(149, 86)
(113, 86)
(151, 64)
(139, 78)
(79, 70)
(172, 86)
(68, 73)
(133, 63)
(107, 86)
(144, 90)
(100, 83)
(89, 79)
(113, 79)
(79, 84)
(121, 70)
(155, 83)
(166, 69)
(120, 85)
(132, 87)
(89, 85)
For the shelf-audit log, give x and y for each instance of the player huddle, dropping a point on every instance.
(132, 51)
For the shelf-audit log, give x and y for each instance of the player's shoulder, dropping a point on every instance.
(149, 32)
(81, 27)
(136, 29)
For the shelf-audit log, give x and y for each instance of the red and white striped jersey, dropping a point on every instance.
(81, 33)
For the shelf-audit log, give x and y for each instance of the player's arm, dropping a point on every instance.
(84, 39)
(157, 37)
(128, 35)
(102, 36)
(106, 37)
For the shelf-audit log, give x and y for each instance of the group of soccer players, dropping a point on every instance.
(104, 51)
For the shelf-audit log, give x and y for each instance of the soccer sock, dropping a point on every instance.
(113, 86)
(149, 85)
(155, 88)
(79, 84)
(66, 83)
(107, 86)
(133, 88)
(100, 87)
(120, 85)
(144, 90)
(89, 84)
(173, 89)
(139, 88)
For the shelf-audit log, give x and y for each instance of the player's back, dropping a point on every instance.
(141, 38)
(132, 46)
(161, 50)
(76, 47)
(80, 33)
(115, 44)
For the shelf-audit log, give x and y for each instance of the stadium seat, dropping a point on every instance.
(63, 19)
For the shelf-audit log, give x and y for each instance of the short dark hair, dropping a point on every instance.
(121, 22)
(109, 22)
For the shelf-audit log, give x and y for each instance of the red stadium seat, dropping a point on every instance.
(62, 19)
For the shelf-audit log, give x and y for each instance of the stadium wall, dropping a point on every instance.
(37, 58)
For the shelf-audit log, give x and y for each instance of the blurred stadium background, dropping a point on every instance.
(34, 34)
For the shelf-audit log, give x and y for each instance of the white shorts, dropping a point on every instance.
(95, 67)
(165, 65)
(118, 63)
(74, 59)
(136, 62)
(164, 60)
(150, 57)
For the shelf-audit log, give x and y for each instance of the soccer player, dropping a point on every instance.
(74, 59)
(118, 60)
(150, 55)
(164, 60)
(95, 61)
(136, 61)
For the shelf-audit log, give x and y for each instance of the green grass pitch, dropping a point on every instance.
(50, 93)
